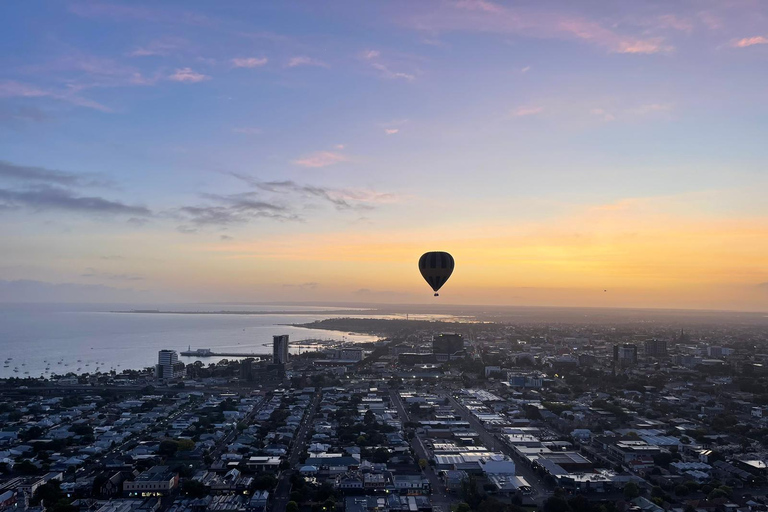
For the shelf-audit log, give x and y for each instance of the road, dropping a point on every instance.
(283, 488)
(440, 499)
(540, 489)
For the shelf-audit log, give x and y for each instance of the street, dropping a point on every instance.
(283, 489)
(440, 499)
(540, 492)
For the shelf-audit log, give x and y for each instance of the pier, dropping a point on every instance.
(204, 352)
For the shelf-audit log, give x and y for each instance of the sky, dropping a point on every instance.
(566, 153)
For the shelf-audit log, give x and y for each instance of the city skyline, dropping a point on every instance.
(565, 155)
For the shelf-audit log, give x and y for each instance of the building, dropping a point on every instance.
(351, 354)
(719, 351)
(625, 354)
(168, 366)
(246, 369)
(447, 344)
(656, 348)
(280, 349)
(156, 481)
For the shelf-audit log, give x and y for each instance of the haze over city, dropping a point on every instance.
(565, 153)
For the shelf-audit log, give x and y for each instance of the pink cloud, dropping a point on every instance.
(536, 22)
(371, 54)
(527, 111)
(305, 61)
(673, 22)
(651, 108)
(321, 159)
(602, 114)
(249, 62)
(391, 131)
(750, 41)
(641, 46)
(11, 89)
(187, 75)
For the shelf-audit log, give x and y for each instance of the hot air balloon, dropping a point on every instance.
(436, 267)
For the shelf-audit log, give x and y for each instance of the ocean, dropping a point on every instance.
(42, 339)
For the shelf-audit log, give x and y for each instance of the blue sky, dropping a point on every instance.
(305, 150)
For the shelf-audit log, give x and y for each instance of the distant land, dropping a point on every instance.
(226, 312)
(531, 315)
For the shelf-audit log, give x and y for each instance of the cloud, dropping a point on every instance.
(235, 209)
(187, 75)
(226, 237)
(651, 108)
(303, 286)
(525, 69)
(249, 62)
(321, 159)
(602, 114)
(388, 73)
(11, 115)
(247, 130)
(24, 173)
(670, 21)
(391, 131)
(47, 198)
(25, 290)
(527, 111)
(749, 41)
(342, 198)
(159, 47)
(305, 61)
(127, 12)
(527, 21)
(91, 272)
(373, 58)
(12, 89)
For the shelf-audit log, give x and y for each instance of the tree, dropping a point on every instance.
(185, 445)
(194, 488)
(48, 493)
(25, 467)
(369, 418)
(681, 490)
(462, 507)
(556, 504)
(423, 464)
(292, 506)
(631, 491)
(168, 448)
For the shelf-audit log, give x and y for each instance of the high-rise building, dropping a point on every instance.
(246, 369)
(168, 365)
(447, 343)
(280, 349)
(655, 348)
(625, 354)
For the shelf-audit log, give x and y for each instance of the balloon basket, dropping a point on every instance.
(437, 295)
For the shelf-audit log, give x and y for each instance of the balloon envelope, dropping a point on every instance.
(436, 267)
